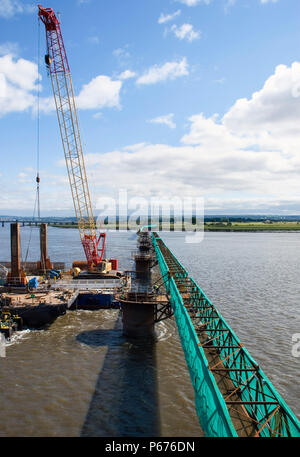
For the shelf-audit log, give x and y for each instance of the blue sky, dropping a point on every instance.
(175, 97)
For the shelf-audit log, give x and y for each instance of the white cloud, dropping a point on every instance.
(219, 81)
(163, 18)
(231, 3)
(9, 47)
(272, 110)
(169, 70)
(194, 2)
(247, 159)
(127, 74)
(211, 132)
(120, 51)
(93, 39)
(24, 177)
(21, 72)
(9, 8)
(208, 2)
(98, 115)
(166, 120)
(122, 55)
(18, 84)
(185, 31)
(100, 92)
(228, 5)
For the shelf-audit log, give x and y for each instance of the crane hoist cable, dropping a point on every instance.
(38, 129)
(36, 207)
(58, 68)
(30, 233)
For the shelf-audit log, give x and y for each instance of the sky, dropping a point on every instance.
(175, 98)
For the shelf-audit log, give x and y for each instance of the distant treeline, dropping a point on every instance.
(207, 218)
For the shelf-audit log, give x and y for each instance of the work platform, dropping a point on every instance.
(40, 307)
(232, 394)
(87, 284)
(39, 294)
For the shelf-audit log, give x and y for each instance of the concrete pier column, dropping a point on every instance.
(16, 276)
(15, 248)
(45, 263)
(137, 315)
(43, 244)
(143, 266)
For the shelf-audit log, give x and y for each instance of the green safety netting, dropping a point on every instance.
(210, 406)
(285, 423)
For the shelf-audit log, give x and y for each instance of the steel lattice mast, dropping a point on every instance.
(59, 71)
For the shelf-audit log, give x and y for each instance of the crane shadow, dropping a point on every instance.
(125, 400)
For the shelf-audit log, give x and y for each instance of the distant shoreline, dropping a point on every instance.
(285, 227)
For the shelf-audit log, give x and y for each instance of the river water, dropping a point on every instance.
(81, 377)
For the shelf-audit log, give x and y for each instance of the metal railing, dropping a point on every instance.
(81, 284)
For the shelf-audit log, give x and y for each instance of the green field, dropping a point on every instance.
(221, 226)
(251, 226)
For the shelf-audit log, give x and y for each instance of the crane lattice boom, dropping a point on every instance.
(59, 71)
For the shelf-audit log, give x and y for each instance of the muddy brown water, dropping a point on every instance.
(81, 377)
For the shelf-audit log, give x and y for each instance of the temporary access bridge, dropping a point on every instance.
(232, 394)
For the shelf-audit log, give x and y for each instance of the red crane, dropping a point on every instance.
(59, 71)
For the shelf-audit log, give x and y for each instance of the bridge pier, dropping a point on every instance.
(138, 314)
(44, 263)
(139, 305)
(143, 258)
(16, 276)
(15, 250)
(143, 263)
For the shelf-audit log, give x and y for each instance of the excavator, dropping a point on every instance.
(59, 71)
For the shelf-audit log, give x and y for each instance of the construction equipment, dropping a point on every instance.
(59, 71)
(10, 323)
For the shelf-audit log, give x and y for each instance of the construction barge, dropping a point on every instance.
(39, 292)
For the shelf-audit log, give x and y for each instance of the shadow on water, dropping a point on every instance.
(125, 400)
